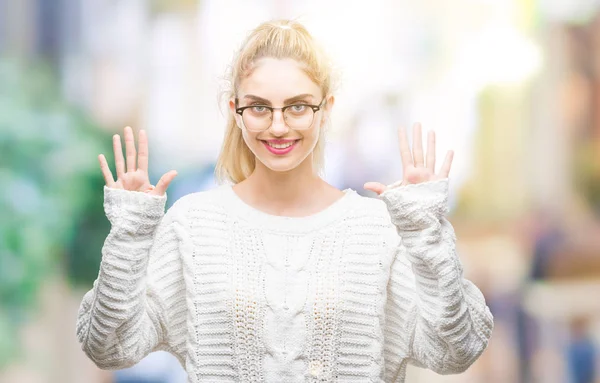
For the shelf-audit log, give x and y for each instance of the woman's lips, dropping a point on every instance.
(282, 151)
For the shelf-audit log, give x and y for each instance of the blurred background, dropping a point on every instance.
(513, 86)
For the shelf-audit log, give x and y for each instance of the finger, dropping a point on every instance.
(143, 151)
(375, 187)
(445, 170)
(431, 151)
(404, 148)
(163, 183)
(119, 161)
(108, 177)
(418, 146)
(130, 149)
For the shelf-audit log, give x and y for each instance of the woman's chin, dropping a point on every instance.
(280, 165)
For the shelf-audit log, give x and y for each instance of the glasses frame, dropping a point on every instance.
(315, 109)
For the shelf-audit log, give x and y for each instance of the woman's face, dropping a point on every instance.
(278, 83)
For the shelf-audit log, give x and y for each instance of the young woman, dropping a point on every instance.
(278, 276)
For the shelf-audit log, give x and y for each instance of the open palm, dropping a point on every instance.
(134, 177)
(416, 167)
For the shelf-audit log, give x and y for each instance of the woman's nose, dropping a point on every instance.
(278, 122)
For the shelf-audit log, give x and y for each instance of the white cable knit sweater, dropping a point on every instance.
(350, 294)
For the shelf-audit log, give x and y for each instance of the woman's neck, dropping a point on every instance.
(292, 193)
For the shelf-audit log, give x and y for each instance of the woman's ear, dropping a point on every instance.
(232, 105)
(329, 103)
(328, 108)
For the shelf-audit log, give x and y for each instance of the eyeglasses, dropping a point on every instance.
(298, 116)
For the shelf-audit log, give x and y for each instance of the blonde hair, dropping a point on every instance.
(279, 39)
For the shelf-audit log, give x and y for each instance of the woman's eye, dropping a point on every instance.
(258, 109)
(298, 108)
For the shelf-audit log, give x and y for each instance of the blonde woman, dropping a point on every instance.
(277, 276)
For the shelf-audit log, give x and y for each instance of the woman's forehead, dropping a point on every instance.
(278, 80)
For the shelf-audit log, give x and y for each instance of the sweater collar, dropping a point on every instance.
(299, 225)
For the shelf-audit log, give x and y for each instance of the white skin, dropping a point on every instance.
(286, 185)
(132, 174)
(415, 167)
(281, 185)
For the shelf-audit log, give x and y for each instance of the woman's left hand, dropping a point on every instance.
(415, 169)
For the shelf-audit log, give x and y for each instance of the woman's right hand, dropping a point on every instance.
(134, 177)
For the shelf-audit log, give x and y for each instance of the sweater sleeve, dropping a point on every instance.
(435, 318)
(124, 316)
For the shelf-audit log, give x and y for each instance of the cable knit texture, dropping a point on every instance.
(350, 294)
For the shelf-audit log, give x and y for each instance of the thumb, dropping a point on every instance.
(375, 187)
(163, 183)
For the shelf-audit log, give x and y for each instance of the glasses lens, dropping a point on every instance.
(299, 117)
(257, 118)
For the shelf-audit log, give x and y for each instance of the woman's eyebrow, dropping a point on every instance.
(298, 97)
(252, 97)
(303, 96)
